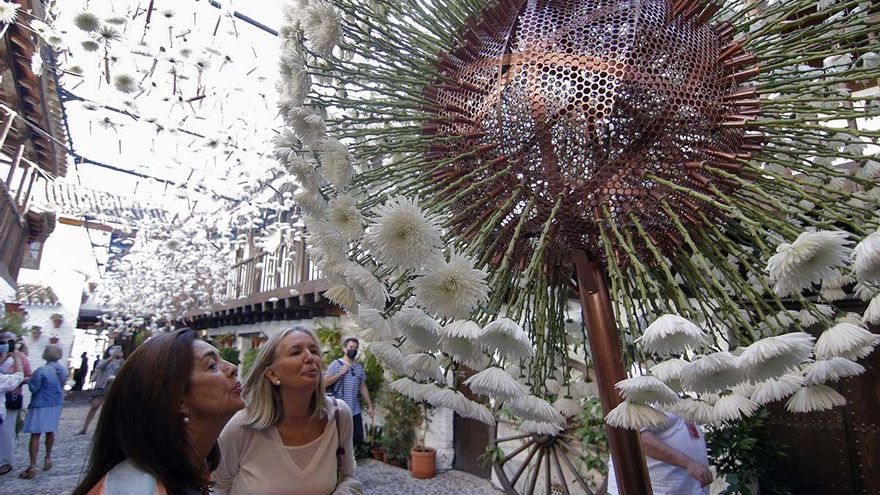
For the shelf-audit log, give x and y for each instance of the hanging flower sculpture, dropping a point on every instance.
(708, 155)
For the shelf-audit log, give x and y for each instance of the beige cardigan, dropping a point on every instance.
(255, 462)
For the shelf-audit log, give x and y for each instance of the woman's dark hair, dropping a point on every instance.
(141, 419)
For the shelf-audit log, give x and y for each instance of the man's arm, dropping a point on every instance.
(366, 393)
(332, 376)
(664, 453)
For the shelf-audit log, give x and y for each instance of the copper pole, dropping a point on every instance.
(626, 446)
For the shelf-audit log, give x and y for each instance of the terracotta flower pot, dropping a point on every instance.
(378, 453)
(57, 323)
(423, 463)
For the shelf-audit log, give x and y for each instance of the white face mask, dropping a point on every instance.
(4, 348)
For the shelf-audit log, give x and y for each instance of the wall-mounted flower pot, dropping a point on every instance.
(423, 463)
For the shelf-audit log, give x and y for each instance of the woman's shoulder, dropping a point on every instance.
(126, 478)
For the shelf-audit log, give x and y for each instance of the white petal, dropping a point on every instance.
(872, 313)
(844, 339)
(831, 370)
(568, 407)
(774, 390)
(344, 297)
(670, 372)
(496, 383)
(815, 398)
(540, 428)
(772, 357)
(866, 258)
(635, 416)
(373, 326)
(646, 390)
(424, 367)
(672, 334)
(480, 413)
(389, 355)
(461, 328)
(693, 410)
(507, 338)
(409, 388)
(732, 407)
(812, 257)
(535, 408)
(712, 373)
(418, 327)
(367, 288)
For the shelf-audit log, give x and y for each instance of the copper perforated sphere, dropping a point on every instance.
(596, 102)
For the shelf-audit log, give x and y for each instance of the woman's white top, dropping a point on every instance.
(256, 462)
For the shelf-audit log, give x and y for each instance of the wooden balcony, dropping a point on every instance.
(265, 272)
(13, 236)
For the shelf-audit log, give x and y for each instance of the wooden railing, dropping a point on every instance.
(13, 236)
(287, 266)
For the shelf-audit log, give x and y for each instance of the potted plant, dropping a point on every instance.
(423, 459)
(374, 438)
(57, 318)
(36, 332)
(402, 416)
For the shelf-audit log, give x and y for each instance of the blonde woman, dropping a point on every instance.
(291, 438)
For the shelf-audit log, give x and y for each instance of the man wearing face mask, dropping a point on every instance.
(345, 379)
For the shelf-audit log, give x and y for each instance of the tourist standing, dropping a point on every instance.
(289, 414)
(12, 400)
(104, 372)
(44, 410)
(79, 376)
(158, 430)
(346, 380)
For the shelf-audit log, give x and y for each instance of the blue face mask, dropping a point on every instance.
(4, 348)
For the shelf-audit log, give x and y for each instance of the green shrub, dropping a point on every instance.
(230, 354)
(247, 361)
(13, 322)
(402, 416)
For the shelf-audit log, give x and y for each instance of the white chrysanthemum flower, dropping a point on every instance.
(831, 370)
(342, 212)
(320, 25)
(540, 427)
(872, 313)
(446, 397)
(552, 386)
(326, 243)
(343, 296)
(462, 349)
(304, 172)
(480, 413)
(636, 416)
(451, 289)
(125, 83)
(419, 328)
(403, 235)
(367, 288)
(86, 21)
(8, 12)
(866, 258)
(389, 355)
(773, 390)
(864, 291)
(535, 408)
(812, 257)
(745, 389)
(568, 407)
(423, 366)
(409, 388)
(583, 390)
(693, 410)
(712, 373)
(335, 163)
(832, 294)
(373, 326)
(507, 338)
(807, 318)
(308, 126)
(467, 329)
(670, 372)
(732, 407)
(772, 357)
(845, 340)
(496, 383)
(647, 390)
(672, 334)
(311, 202)
(815, 398)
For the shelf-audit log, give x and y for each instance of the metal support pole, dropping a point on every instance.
(626, 446)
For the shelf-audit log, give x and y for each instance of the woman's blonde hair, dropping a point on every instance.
(263, 398)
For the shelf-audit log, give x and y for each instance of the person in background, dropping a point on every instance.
(289, 414)
(678, 462)
(44, 410)
(104, 373)
(12, 400)
(157, 433)
(346, 379)
(79, 376)
(11, 363)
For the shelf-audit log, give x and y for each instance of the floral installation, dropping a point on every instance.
(421, 244)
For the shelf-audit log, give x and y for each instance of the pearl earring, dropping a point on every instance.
(185, 419)
(277, 382)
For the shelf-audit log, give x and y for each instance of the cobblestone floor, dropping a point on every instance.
(71, 451)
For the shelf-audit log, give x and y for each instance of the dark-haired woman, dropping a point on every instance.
(157, 433)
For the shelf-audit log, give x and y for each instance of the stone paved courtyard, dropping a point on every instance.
(70, 453)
